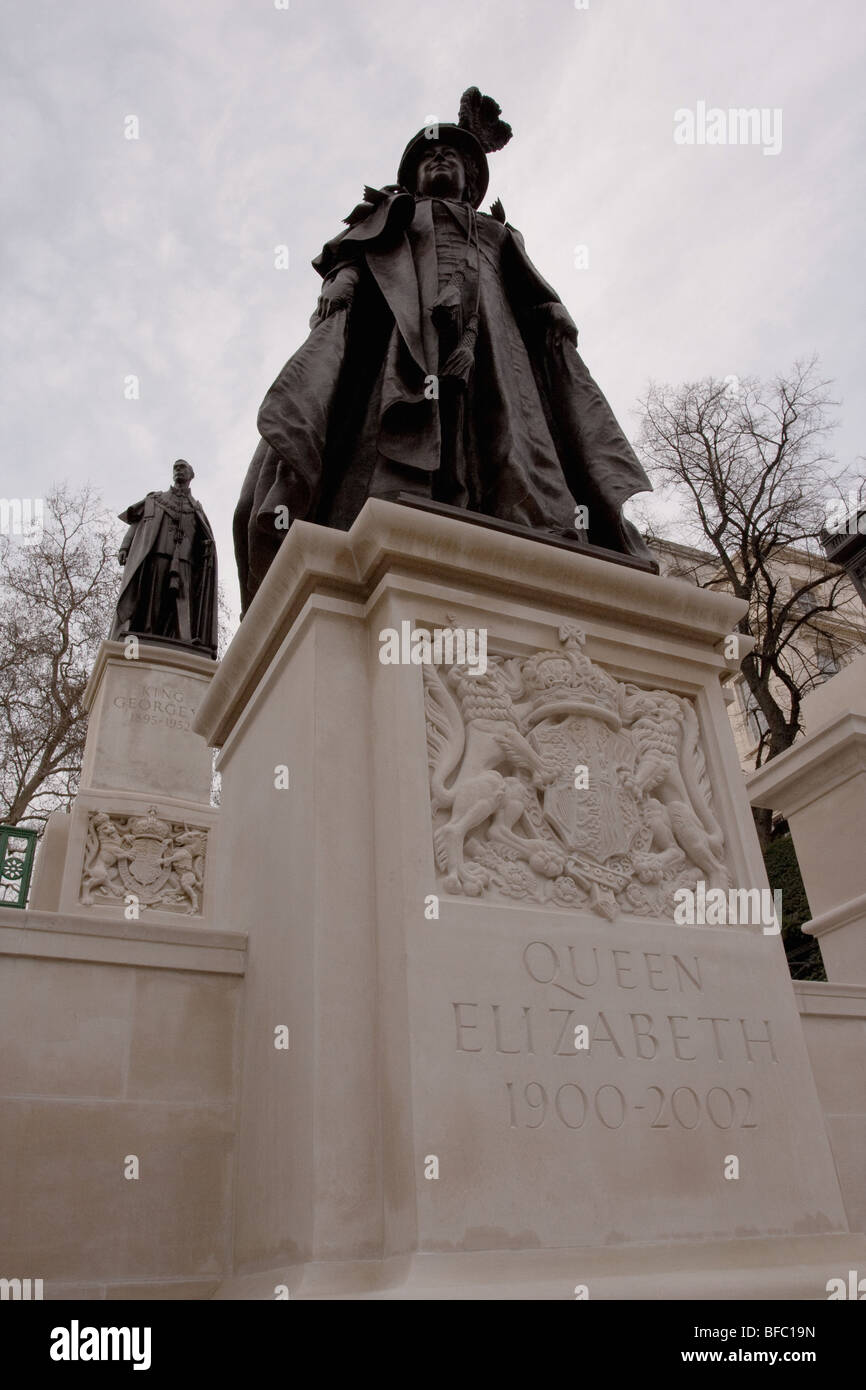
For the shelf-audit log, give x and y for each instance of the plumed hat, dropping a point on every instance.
(477, 133)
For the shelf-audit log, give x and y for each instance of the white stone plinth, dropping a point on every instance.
(819, 786)
(143, 711)
(432, 1001)
(139, 836)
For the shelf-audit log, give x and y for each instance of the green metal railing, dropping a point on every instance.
(17, 847)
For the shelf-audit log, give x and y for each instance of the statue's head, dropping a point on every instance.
(441, 172)
(450, 161)
(181, 473)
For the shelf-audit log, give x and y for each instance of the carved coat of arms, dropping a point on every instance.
(552, 781)
(158, 862)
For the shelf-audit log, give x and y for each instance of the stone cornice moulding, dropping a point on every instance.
(71, 937)
(825, 998)
(148, 653)
(840, 916)
(387, 536)
(811, 768)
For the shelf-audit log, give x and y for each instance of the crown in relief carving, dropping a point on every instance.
(566, 682)
(149, 827)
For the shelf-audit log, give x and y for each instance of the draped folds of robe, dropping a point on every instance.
(170, 579)
(360, 409)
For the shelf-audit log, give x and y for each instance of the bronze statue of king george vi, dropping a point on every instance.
(169, 591)
(439, 366)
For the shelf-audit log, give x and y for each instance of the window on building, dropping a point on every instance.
(802, 603)
(830, 655)
(755, 720)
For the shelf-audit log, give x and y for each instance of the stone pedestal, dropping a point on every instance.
(479, 1053)
(136, 842)
(819, 786)
(140, 730)
(119, 1015)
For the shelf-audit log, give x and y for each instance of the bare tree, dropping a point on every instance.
(748, 462)
(57, 596)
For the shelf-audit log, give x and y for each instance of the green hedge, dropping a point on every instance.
(783, 871)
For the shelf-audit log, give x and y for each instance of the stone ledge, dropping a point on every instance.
(811, 768)
(150, 654)
(63, 936)
(843, 915)
(794, 1267)
(147, 1290)
(387, 536)
(825, 999)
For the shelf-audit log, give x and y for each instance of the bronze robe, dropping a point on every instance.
(169, 580)
(359, 410)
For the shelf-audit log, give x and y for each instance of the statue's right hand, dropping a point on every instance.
(337, 293)
(330, 300)
(121, 556)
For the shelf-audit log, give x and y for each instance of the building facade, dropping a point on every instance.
(820, 646)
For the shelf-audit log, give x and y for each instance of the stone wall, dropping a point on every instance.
(117, 1040)
(834, 1022)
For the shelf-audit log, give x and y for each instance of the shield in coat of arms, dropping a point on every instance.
(143, 872)
(600, 820)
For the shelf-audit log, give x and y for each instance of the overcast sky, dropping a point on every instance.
(259, 126)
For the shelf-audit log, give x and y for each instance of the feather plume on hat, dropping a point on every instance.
(480, 116)
(477, 132)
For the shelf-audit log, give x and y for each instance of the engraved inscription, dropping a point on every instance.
(529, 1105)
(487, 1028)
(678, 1031)
(164, 705)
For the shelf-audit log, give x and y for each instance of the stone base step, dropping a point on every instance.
(789, 1267)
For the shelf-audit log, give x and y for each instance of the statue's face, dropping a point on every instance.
(441, 173)
(181, 473)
